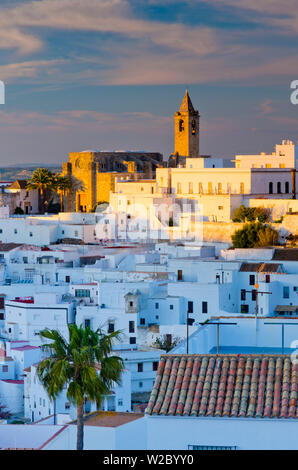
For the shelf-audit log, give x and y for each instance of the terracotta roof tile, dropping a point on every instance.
(262, 386)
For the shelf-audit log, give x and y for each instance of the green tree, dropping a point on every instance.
(268, 236)
(253, 235)
(18, 211)
(251, 214)
(262, 214)
(41, 180)
(166, 342)
(62, 185)
(83, 364)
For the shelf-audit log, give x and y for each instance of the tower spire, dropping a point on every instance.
(186, 105)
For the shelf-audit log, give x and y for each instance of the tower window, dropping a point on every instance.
(193, 127)
(181, 125)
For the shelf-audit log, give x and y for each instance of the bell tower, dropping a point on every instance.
(187, 131)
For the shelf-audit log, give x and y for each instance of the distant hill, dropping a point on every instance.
(24, 171)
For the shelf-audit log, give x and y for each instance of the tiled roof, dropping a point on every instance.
(285, 254)
(25, 348)
(9, 246)
(260, 267)
(255, 386)
(19, 184)
(110, 419)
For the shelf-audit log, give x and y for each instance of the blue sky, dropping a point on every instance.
(110, 74)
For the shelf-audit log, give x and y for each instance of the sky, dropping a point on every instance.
(110, 74)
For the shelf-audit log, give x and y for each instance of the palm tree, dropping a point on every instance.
(42, 180)
(83, 364)
(76, 186)
(62, 184)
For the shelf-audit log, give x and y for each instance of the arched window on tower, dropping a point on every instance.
(279, 187)
(181, 125)
(193, 127)
(270, 187)
(287, 187)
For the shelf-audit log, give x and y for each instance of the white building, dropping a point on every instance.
(26, 317)
(38, 406)
(284, 156)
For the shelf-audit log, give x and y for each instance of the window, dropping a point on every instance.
(67, 279)
(268, 165)
(279, 187)
(156, 305)
(111, 326)
(154, 365)
(181, 125)
(200, 188)
(82, 293)
(67, 405)
(244, 308)
(76, 234)
(87, 322)
(219, 190)
(190, 306)
(220, 208)
(210, 187)
(267, 278)
(254, 295)
(140, 367)
(1, 302)
(180, 274)
(4, 368)
(204, 307)
(190, 188)
(179, 188)
(287, 187)
(132, 340)
(131, 326)
(270, 188)
(140, 384)
(251, 279)
(15, 230)
(193, 127)
(30, 234)
(243, 294)
(241, 188)
(142, 321)
(286, 292)
(120, 402)
(171, 307)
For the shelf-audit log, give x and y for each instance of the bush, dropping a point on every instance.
(166, 342)
(18, 211)
(267, 237)
(251, 214)
(253, 235)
